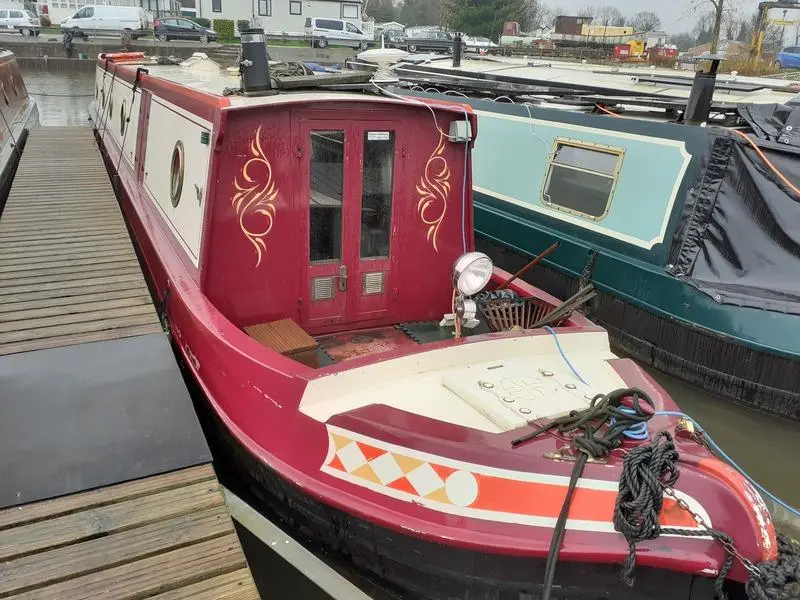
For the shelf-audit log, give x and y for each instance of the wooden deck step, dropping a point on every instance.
(64, 247)
(168, 537)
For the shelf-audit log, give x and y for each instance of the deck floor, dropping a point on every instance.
(162, 538)
(68, 271)
(107, 490)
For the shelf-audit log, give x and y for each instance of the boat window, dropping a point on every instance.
(325, 203)
(581, 178)
(216, 5)
(176, 174)
(122, 119)
(376, 194)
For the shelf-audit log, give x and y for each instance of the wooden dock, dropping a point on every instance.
(164, 538)
(107, 489)
(68, 271)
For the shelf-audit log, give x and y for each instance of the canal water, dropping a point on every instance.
(767, 448)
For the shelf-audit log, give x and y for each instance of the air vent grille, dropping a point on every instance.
(373, 283)
(322, 288)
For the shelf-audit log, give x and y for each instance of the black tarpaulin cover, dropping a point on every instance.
(739, 235)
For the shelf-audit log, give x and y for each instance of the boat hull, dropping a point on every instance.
(422, 570)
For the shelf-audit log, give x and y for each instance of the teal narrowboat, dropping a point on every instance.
(690, 233)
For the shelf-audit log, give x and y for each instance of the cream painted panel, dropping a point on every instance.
(121, 97)
(419, 383)
(168, 125)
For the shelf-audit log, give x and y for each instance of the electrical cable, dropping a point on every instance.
(552, 332)
(768, 162)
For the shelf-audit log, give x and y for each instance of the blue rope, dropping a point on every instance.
(641, 430)
(564, 356)
(723, 454)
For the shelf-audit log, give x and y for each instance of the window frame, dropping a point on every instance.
(584, 145)
(216, 6)
(351, 5)
(299, 5)
(267, 10)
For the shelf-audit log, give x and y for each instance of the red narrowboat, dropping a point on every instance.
(20, 113)
(312, 255)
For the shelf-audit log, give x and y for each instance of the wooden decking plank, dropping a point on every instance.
(57, 287)
(69, 318)
(73, 303)
(147, 318)
(98, 522)
(150, 576)
(74, 250)
(48, 509)
(236, 585)
(66, 273)
(57, 264)
(118, 332)
(38, 316)
(67, 238)
(53, 566)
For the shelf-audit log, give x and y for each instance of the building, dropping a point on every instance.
(280, 16)
(567, 25)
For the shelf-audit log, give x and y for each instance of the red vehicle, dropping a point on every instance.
(304, 248)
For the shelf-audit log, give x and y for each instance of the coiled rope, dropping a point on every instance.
(648, 471)
(778, 580)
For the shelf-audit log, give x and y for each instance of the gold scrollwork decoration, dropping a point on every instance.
(255, 196)
(434, 189)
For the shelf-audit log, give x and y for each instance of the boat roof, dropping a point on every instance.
(201, 74)
(624, 79)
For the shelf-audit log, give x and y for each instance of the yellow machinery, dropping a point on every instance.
(761, 24)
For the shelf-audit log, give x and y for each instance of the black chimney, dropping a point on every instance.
(254, 65)
(457, 48)
(698, 107)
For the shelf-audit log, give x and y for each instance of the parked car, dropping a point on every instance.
(393, 38)
(335, 31)
(174, 28)
(106, 20)
(478, 44)
(18, 20)
(788, 58)
(430, 41)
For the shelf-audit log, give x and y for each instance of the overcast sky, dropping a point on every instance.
(676, 15)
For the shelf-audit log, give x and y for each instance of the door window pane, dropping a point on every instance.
(327, 184)
(376, 195)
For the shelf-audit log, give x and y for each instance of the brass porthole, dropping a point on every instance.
(176, 173)
(122, 119)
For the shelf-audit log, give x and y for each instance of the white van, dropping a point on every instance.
(106, 20)
(324, 31)
(13, 17)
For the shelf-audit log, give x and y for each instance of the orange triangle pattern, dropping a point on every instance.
(337, 464)
(406, 463)
(366, 472)
(404, 485)
(442, 471)
(370, 452)
(339, 441)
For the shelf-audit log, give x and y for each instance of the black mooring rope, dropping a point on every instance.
(603, 410)
(646, 471)
(779, 580)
